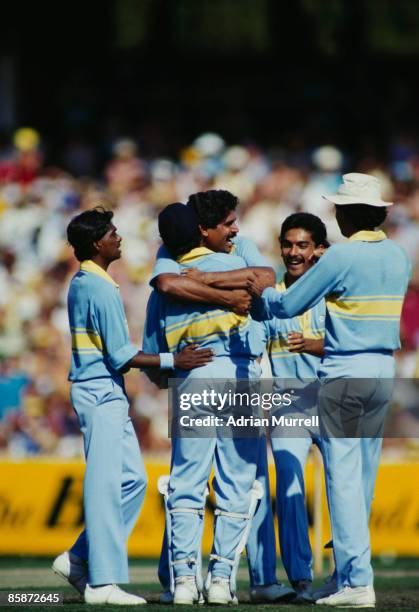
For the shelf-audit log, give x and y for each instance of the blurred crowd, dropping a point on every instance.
(36, 264)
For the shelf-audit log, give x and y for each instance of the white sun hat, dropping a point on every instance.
(358, 188)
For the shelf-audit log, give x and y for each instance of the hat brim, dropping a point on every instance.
(341, 200)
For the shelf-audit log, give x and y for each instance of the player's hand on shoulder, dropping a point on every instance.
(193, 357)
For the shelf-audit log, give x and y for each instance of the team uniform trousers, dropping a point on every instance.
(290, 454)
(234, 461)
(115, 478)
(352, 462)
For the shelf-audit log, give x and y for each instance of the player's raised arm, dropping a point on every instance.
(321, 280)
(234, 279)
(185, 289)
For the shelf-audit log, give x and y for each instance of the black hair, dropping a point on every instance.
(176, 250)
(309, 223)
(179, 229)
(87, 228)
(364, 216)
(212, 206)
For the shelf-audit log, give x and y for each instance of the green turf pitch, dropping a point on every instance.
(396, 584)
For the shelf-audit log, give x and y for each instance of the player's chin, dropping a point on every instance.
(295, 273)
(228, 246)
(297, 270)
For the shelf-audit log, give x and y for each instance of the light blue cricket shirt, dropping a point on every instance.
(311, 324)
(99, 331)
(227, 333)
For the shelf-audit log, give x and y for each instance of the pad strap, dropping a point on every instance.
(237, 515)
(198, 511)
(185, 560)
(221, 559)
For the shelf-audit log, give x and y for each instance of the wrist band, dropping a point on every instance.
(167, 361)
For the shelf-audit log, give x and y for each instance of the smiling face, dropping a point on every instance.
(298, 251)
(109, 246)
(219, 238)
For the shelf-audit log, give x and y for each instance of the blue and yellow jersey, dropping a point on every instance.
(99, 332)
(227, 333)
(364, 281)
(242, 247)
(286, 364)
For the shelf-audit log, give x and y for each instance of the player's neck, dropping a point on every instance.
(101, 262)
(290, 280)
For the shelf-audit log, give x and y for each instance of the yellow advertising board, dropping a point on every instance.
(41, 511)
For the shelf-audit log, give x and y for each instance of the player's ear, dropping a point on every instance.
(97, 245)
(203, 230)
(317, 253)
(319, 250)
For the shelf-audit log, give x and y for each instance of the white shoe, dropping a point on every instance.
(73, 569)
(186, 592)
(304, 592)
(329, 587)
(271, 593)
(351, 597)
(111, 594)
(219, 593)
(166, 597)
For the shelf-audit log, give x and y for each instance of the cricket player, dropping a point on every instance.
(223, 288)
(115, 478)
(364, 282)
(236, 349)
(295, 348)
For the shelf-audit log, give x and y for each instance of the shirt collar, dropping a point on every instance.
(194, 254)
(368, 236)
(90, 266)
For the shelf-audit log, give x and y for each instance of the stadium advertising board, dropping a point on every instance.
(41, 509)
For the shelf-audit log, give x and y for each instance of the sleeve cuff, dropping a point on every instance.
(269, 295)
(269, 292)
(120, 357)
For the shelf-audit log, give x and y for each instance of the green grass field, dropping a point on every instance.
(396, 584)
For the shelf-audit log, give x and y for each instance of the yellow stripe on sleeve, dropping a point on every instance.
(389, 308)
(85, 340)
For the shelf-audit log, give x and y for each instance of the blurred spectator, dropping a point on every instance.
(24, 162)
(13, 382)
(126, 172)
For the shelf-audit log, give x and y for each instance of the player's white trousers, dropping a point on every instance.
(114, 481)
(234, 461)
(352, 463)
